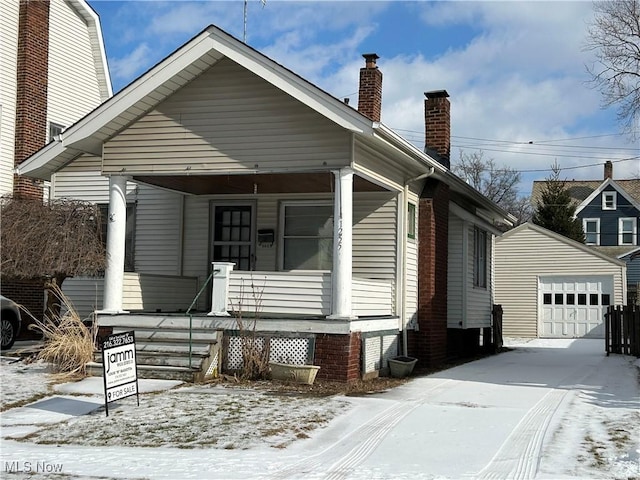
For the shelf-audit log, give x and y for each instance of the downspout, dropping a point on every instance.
(405, 229)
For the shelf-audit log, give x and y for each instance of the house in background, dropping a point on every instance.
(53, 71)
(632, 259)
(349, 245)
(610, 213)
(550, 286)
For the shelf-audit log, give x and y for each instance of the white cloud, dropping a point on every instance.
(131, 65)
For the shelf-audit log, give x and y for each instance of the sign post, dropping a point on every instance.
(120, 370)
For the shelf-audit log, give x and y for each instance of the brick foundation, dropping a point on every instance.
(30, 295)
(338, 357)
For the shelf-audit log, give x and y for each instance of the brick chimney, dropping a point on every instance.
(608, 169)
(370, 91)
(31, 93)
(437, 125)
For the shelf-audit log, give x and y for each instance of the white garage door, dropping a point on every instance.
(574, 306)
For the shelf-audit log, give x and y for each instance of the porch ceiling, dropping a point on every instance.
(319, 182)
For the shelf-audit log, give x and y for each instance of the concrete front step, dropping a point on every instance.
(172, 335)
(166, 322)
(155, 371)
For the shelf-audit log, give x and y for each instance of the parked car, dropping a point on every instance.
(11, 321)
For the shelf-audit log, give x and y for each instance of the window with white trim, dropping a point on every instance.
(608, 200)
(627, 230)
(307, 236)
(411, 227)
(591, 227)
(55, 129)
(479, 258)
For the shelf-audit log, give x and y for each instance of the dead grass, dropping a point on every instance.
(68, 343)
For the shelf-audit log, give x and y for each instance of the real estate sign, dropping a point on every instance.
(120, 371)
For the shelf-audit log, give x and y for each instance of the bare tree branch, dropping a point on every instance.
(614, 37)
(499, 184)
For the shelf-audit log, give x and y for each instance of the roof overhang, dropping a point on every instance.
(199, 54)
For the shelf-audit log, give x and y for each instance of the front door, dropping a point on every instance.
(233, 235)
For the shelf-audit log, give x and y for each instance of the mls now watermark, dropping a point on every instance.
(32, 467)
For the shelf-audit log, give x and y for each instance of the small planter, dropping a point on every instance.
(401, 367)
(294, 373)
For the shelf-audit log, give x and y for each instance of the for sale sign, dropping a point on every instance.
(119, 367)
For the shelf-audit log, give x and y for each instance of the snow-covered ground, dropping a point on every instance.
(547, 409)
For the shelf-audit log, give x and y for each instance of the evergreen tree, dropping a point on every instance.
(555, 209)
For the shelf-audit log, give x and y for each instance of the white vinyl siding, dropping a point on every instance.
(146, 292)
(228, 120)
(8, 71)
(82, 179)
(73, 89)
(374, 244)
(528, 254)
(158, 233)
(457, 266)
(468, 306)
(411, 264)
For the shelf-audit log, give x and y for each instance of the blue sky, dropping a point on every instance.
(514, 70)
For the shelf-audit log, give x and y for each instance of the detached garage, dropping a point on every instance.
(551, 286)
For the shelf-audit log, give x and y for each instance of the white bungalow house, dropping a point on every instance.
(348, 244)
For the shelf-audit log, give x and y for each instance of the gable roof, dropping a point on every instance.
(600, 189)
(580, 190)
(198, 55)
(560, 238)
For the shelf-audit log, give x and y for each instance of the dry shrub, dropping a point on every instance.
(255, 349)
(68, 343)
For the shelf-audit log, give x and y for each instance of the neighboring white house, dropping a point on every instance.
(53, 71)
(219, 154)
(554, 287)
(75, 73)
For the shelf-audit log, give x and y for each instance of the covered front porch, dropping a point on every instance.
(297, 244)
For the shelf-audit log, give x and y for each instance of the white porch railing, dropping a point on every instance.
(303, 293)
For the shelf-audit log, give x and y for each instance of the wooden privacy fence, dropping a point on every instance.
(622, 329)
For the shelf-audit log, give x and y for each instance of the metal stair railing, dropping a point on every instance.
(188, 312)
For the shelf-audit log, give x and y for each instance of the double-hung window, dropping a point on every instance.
(307, 236)
(591, 227)
(608, 200)
(479, 258)
(627, 231)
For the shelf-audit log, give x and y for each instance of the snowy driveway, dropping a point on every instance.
(548, 409)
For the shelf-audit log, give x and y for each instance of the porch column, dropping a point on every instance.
(116, 233)
(342, 245)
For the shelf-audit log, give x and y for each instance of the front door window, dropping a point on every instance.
(233, 235)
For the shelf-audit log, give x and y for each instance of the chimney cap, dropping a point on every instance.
(370, 59)
(436, 94)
